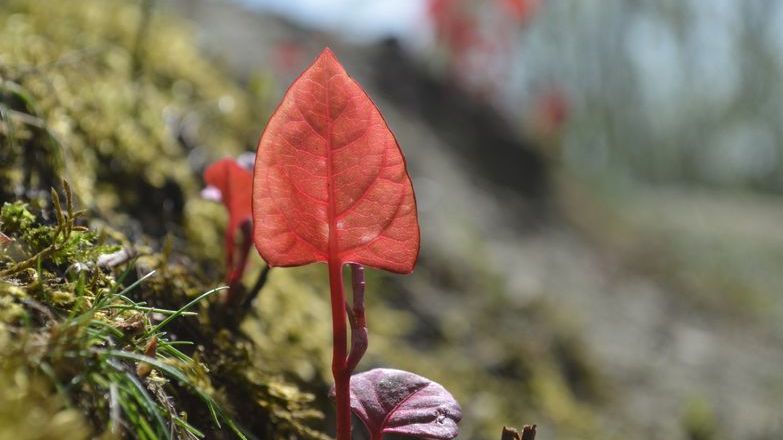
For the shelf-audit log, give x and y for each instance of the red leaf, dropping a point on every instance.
(521, 10)
(454, 26)
(234, 185)
(330, 181)
(399, 402)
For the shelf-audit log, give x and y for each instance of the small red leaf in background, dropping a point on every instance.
(288, 56)
(392, 401)
(232, 184)
(521, 10)
(454, 26)
(330, 181)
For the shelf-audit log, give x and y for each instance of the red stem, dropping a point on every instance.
(234, 277)
(342, 377)
(356, 315)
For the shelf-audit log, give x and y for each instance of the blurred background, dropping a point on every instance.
(600, 190)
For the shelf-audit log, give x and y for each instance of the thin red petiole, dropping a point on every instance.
(342, 376)
(357, 319)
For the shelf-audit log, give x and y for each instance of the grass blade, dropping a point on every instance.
(182, 310)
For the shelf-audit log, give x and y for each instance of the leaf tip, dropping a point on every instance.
(328, 57)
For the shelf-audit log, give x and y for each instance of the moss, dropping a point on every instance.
(124, 136)
(87, 96)
(28, 411)
(698, 420)
(10, 308)
(88, 328)
(16, 217)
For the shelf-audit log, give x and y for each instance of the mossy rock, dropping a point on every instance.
(114, 98)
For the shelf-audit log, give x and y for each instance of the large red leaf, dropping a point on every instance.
(330, 182)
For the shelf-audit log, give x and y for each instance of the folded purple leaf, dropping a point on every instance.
(399, 402)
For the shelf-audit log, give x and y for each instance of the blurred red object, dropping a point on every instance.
(479, 39)
(289, 56)
(232, 184)
(454, 26)
(552, 109)
(520, 10)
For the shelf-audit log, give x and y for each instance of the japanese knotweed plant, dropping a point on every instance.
(330, 185)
